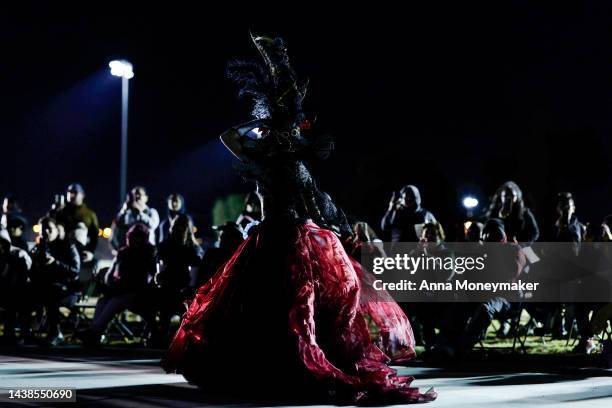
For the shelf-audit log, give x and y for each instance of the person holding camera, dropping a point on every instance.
(76, 213)
(134, 211)
(404, 215)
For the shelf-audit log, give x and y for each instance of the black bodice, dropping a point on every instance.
(288, 188)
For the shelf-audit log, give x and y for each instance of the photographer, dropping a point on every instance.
(134, 211)
(404, 215)
(76, 213)
(55, 275)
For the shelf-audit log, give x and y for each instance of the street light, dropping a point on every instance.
(125, 70)
(469, 203)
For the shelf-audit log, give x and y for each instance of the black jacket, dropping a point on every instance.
(177, 258)
(63, 271)
(399, 225)
(570, 232)
(524, 229)
(133, 269)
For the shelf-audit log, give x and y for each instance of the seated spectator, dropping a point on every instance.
(127, 284)
(599, 259)
(433, 234)
(229, 239)
(473, 233)
(16, 250)
(55, 276)
(567, 228)
(465, 324)
(16, 229)
(364, 238)
(252, 210)
(14, 268)
(15, 222)
(599, 232)
(11, 208)
(89, 262)
(134, 211)
(511, 263)
(179, 257)
(426, 315)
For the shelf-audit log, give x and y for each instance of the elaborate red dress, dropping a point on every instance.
(284, 316)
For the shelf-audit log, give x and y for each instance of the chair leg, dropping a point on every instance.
(570, 334)
(123, 330)
(515, 326)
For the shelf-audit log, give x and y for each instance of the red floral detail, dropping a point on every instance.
(305, 125)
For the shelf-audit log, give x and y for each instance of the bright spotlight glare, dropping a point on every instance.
(470, 202)
(121, 68)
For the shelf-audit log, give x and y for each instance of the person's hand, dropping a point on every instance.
(87, 256)
(49, 259)
(126, 205)
(139, 205)
(393, 201)
(607, 234)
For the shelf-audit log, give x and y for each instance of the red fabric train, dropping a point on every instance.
(294, 313)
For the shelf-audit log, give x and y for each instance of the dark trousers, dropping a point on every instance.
(465, 324)
(482, 317)
(170, 304)
(109, 306)
(52, 300)
(581, 314)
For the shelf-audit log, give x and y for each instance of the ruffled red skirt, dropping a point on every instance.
(285, 316)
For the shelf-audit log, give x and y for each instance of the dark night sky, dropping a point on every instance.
(454, 100)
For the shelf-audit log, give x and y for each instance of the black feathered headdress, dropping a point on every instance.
(272, 85)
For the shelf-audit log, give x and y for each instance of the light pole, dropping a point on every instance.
(125, 70)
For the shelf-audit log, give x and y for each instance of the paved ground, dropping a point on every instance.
(132, 378)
